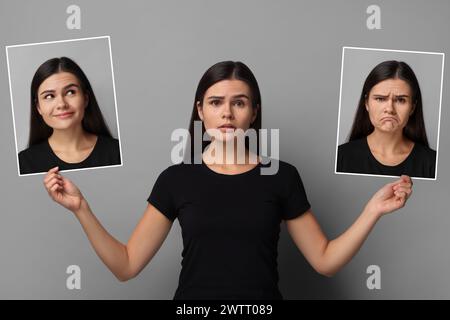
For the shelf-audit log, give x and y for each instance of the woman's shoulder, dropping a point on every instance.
(34, 150)
(282, 165)
(105, 140)
(353, 145)
(108, 145)
(178, 169)
(279, 168)
(425, 151)
(35, 158)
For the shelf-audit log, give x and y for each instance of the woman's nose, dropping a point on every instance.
(60, 102)
(390, 105)
(227, 110)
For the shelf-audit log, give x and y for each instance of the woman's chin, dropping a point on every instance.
(392, 129)
(63, 127)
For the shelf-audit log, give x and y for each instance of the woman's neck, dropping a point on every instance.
(71, 139)
(228, 156)
(389, 143)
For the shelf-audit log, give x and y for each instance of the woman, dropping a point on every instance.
(230, 214)
(388, 135)
(67, 128)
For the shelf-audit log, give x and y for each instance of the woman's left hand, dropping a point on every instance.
(391, 197)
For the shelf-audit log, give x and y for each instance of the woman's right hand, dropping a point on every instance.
(62, 190)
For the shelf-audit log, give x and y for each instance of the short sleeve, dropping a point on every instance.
(295, 201)
(161, 196)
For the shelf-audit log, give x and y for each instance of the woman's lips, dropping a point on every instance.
(65, 115)
(389, 119)
(227, 128)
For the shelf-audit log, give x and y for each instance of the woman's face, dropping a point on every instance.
(227, 106)
(61, 101)
(390, 105)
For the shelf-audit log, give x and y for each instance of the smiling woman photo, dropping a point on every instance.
(229, 213)
(67, 128)
(388, 135)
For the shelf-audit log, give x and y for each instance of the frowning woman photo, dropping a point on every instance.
(388, 135)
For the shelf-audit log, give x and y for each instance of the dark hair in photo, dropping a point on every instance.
(92, 122)
(415, 128)
(225, 70)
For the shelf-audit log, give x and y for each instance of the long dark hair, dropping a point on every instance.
(225, 70)
(92, 122)
(415, 127)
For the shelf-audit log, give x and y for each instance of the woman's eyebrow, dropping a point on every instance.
(65, 87)
(71, 85)
(378, 95)
(216, 97)
(241, 96)
(47, 91)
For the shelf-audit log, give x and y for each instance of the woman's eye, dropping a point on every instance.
(379, 99)
(214, 102)
(239, 103)
(70, 92)
(401, 100)
(48, 96)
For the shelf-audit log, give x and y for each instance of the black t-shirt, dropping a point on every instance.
(41, 158)
(355, 157)
(230, 227)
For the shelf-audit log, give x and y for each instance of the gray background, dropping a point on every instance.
(357, 65)
(160, 50)
(93, 57)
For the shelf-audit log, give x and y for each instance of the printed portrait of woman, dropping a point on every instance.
(388, 135)
(67, 128)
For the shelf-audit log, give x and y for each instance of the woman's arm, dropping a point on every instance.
(328, 257)
(124, 261)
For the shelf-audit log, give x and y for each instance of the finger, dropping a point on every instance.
(408, 193)
(403, 185)
(405, 190)
(54, 179)
(398, 181)
(393, 184)
(52, 191)
(53, 170)
(51, 176)
(402, 179)
(406, 178)
(400, 195)
(51, 183)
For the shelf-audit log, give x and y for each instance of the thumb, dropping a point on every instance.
(403, 178)
(392, 184)
(406, 178)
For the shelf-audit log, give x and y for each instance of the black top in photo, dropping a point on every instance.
(41, 158)
(355, 157)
